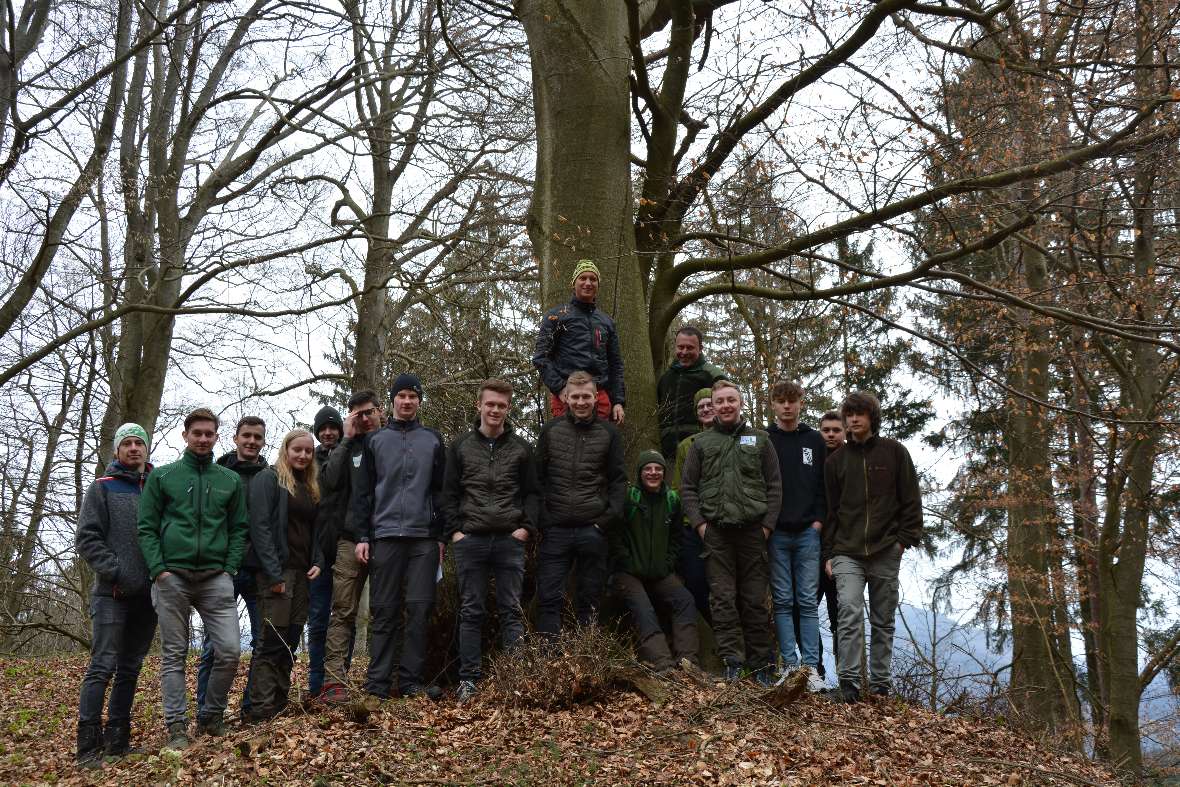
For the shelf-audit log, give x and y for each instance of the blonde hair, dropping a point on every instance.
(287, 475)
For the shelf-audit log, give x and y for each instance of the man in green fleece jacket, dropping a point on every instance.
(644, 548)
(874, 515)
(192, 531)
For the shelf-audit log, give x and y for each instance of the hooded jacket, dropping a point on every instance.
(731, 478)
(491, 485)
(873, 499)
(801, 456)
(577, 336)
(646, 544)
(245, 470)
(675, 393)
(192, 517)
(580, 466)
(402, 470)
(268, 529)
(107, 537)
(331, 511)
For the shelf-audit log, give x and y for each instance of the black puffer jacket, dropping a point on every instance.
(580, 464)
(491, 485)
(580, 337)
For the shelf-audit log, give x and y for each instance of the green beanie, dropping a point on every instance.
(131, 430)
(584, 266)
(704, 393)
(649, 456)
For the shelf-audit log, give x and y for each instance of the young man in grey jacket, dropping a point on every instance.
(123, 621)
(399, 512)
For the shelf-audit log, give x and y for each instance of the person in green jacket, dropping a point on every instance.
(192, 531)
(678, 386)
(644, 548)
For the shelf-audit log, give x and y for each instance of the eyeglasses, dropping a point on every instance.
(366, 413)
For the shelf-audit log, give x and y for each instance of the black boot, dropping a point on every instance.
(849, 692)
(117, 740)
(89, 754)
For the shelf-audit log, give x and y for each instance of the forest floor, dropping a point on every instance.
(699, 733)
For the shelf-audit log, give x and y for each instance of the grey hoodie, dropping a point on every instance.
(108, 533)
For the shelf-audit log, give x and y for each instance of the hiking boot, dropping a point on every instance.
(466, 691)
(733, 672)
(117, 742)
(765, 677)
(431, 692)
(89, 752)
(815, 683)
(334, 694)
(880, 691)
(178, 739)
(849, 692)
(213, 726)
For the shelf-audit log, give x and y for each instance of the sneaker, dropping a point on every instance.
(466, 691)
(178, 739)
(783, 675)
(849, 692)
(334, 694)
(733, 672)
(815, 683)
(213, 726)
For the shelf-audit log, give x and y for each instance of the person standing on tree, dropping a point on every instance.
(579, 337)
(490, 497)
(584, 485)
(691, 565)
(732, 493)
(122, 619)
(247, 461)
(342, 477)
(794, 546)
(678, 386)
(327, 428)
(193, 531)
(874, 514)
(399, 506)
(644, 549)
(285, 556)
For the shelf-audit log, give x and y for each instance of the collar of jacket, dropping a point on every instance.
(730, 430)
(569, 415)
(231, 461)
(196, 460)
(404, 426)
(865, 446)
(120, 471)
(800, 428)
(586, 307)
(503, 435)
(701, 361)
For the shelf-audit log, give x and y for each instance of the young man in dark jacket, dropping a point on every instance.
(794, 546)
(122, 619)
(247, 461)
(644, 549)
(579, 337)
(399, 507)
(677, 388)
(327, 427)
(732, 493)
(193, 529)
(491, 498)
(580, 466)
(874, 514)
(831, 428)
(341, 478)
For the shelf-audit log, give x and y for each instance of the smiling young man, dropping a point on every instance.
(398, 508)
(193, 531)
(490, 497)
(874, 514)
(584, 485)
(732, 493)
(578, 336)
(677, 389)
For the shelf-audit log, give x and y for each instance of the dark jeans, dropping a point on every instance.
(478, 557)
(691, 568)
(827, 589)
(739, 581)
(121, 634)
(402, 575)
(246, 589)
(564, 549)
(283, 615)
(641, 597)
(319, 610)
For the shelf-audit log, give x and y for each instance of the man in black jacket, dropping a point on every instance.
(579, 337)
(490, 497)
(398, 508)
(794, 546)
(874, 514)
(584, 486)
(340, 478)
(327, 428)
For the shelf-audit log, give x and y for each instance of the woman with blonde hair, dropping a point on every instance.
(286, 555)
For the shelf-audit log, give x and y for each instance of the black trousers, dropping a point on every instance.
(402, 575)
(564, 549)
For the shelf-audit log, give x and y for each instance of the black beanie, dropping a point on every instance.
(327, 416)
(406, 381)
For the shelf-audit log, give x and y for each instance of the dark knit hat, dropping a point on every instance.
(406, 381)
(648, 457)
(327, 416)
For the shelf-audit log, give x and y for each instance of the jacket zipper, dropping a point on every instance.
(200, 510)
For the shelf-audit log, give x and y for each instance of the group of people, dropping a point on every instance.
(722, 517)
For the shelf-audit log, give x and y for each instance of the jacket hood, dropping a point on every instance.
(232, 461)
(646, 458)
(116, 470)
(327, 416)
(801, 429)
